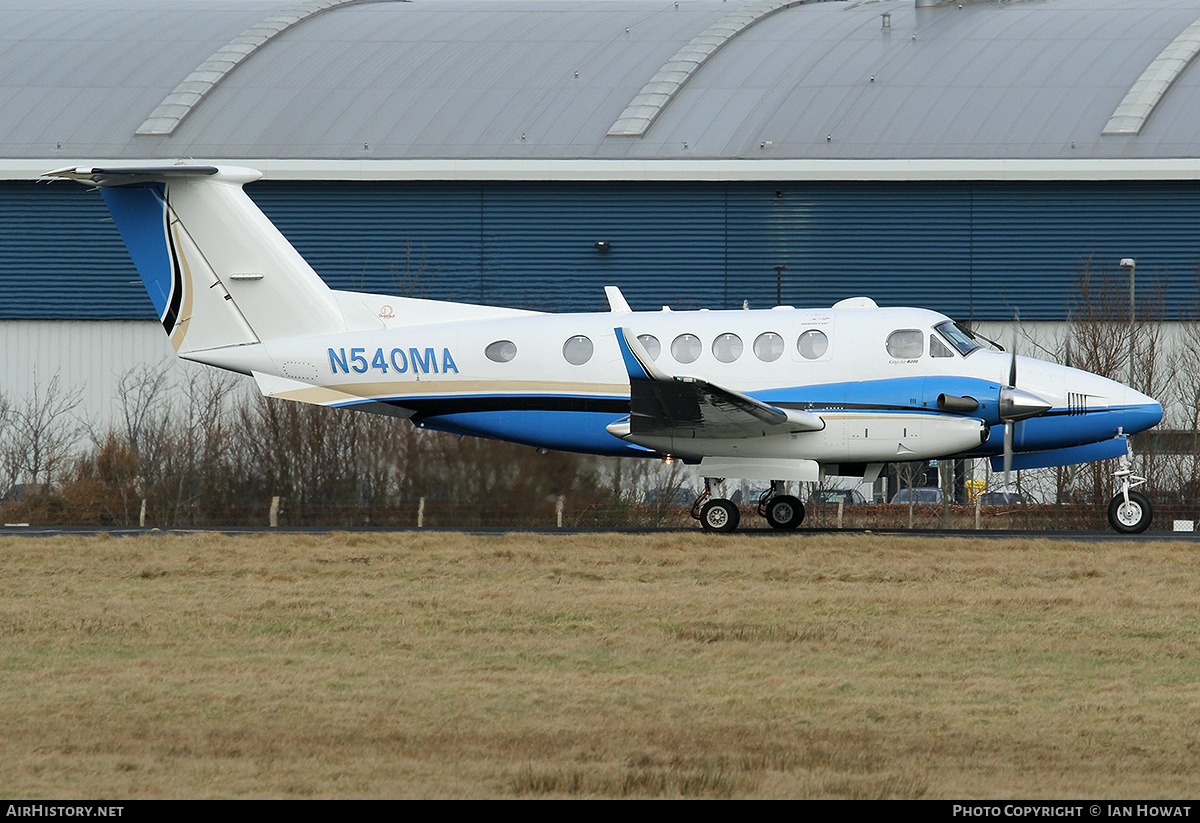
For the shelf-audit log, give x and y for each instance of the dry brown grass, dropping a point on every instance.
(684, 665)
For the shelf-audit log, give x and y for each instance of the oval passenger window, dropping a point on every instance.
(812, 344)
(651, 345)
(501, 351)
(768, 346)
(578, 350)
(727, 347)
(686, 348)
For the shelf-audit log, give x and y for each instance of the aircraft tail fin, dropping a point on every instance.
(217, 270)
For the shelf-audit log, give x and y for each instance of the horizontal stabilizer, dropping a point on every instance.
(131, 175)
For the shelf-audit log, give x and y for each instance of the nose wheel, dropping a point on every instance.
(1130, 516)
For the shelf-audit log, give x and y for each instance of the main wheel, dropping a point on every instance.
(785, 512)
(1133, 517)
(719, 515)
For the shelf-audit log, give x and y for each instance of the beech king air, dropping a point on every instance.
(778, 396)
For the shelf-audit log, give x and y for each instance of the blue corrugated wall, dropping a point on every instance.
(972, 250)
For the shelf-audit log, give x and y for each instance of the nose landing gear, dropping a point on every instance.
(1129, 512)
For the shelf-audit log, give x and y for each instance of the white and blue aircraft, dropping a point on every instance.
(777, 396)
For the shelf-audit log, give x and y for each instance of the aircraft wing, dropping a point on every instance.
(662, 405)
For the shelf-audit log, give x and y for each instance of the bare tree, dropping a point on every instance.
(40, 433)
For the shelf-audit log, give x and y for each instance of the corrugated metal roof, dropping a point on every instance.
(548, 79)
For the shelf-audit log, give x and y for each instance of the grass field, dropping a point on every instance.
(679, 665)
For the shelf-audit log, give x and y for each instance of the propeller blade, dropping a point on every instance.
(1017, 404)
(1008, 453)
(1012, 368)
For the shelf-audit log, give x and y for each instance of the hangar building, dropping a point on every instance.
(972, 158)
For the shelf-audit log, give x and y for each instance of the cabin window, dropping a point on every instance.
(768, 346)
(937, 348)
(501, 351)
(651, 345)
(578, 350)
(727, 347)
(812, 344)
(686, 348)
(906, 344)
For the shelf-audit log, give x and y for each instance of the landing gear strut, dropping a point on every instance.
(782, 511)
(1129, 512)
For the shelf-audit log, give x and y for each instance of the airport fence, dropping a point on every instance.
(564, 512)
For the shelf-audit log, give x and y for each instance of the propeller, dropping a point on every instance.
(1016, 405)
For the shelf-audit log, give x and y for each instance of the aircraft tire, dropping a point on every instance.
(719, 515)
(785, 512)
(1131, 518)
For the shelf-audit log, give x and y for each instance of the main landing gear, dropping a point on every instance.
(1129, 512)
(716, 514)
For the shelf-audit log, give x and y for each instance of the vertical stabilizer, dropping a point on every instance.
(217, 270)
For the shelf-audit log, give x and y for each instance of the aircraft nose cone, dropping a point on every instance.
(1141, 412)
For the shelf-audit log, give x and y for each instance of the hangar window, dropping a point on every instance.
(906, 344)
(686, 348)
(768, 346)
(501, 351)
(578, 350)
(651, 344)
(812, 344)
(727, 347)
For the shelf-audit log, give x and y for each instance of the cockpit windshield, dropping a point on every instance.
(957, 337)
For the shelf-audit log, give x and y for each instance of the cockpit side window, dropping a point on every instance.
(906, 344)
(937, 348)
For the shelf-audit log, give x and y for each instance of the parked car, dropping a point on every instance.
(22, 492)
(922, 495)
(851, 497)
(1001, 499)
(670, 497)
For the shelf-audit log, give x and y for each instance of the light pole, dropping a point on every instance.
(1131, 264)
